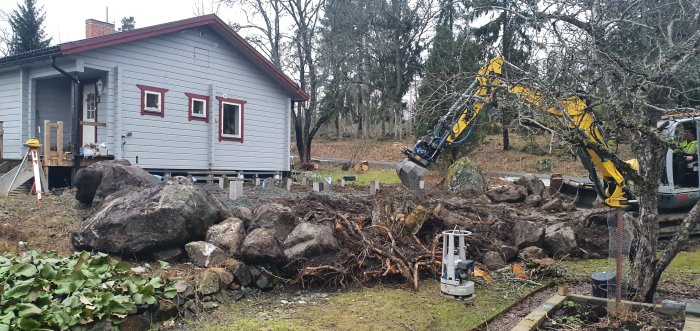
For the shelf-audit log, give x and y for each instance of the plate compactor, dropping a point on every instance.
(457, 270)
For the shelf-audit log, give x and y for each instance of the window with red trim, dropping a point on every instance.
(199, 107)
(231, 119)
(152, 100)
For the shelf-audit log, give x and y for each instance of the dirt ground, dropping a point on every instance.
(365, 302)
(44, 226)
(489, 155)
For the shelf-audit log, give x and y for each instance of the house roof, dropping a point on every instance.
(212, 21)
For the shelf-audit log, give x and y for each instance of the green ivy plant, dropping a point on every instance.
(48, 292)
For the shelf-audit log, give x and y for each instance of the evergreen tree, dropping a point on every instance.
(27, 28)
(449, 69)
(508, 29)
(128, 24)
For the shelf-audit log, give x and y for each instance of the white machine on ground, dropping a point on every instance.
(456, 268)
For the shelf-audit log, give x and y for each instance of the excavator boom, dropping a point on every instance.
(453, 129)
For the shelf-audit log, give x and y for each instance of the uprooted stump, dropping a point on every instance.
(372, 252)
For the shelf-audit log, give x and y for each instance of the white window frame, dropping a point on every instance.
(204, 108)
(155, 110)
(239, 122)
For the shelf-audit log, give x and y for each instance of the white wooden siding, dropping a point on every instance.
(192, 61)
(53, 103)
(11, 113)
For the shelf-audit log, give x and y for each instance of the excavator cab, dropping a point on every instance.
(680, 187)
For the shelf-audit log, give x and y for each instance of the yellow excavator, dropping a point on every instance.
(488, 81)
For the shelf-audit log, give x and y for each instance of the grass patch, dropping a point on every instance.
(384, 176)
(377, 308)
(684, 267)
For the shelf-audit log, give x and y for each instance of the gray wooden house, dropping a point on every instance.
(186, 96)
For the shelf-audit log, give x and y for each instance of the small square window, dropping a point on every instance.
(152, 100)
(199, 107)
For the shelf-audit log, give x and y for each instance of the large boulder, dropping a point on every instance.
(515, 193)
(260, 246)
(493, 260)
(464, 176)
(148, 219)
(204, 254)
(244, 214)
(227, 235)
(309, 239)
(526, 233)
(560, 240)
(104, 178)
(278, 220)
(533, 184)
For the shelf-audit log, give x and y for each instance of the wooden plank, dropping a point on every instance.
(59, 142)
(97, 124)
(47, 138)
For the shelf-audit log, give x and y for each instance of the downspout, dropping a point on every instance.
(75, 136)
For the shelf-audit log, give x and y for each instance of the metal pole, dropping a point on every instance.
(21, 165)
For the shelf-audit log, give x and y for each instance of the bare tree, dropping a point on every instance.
(632, 61)
(263, 20)
(5, 34)
(306, 15)
(203, 7)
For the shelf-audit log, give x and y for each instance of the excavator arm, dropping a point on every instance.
(488, 80)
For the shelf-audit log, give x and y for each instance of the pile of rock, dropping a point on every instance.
(230, 280)
(531, 240)
(238, 252)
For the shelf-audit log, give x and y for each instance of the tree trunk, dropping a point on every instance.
(651, 156)
(337, 125)
(506, 139)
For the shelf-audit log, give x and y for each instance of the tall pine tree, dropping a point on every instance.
(508, 29)
(450, 66)
(27, 28)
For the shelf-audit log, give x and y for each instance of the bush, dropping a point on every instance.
(45, 291)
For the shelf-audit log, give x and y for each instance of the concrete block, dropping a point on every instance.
(304, 181)
(222, 182)
(235, 190)
(342, 183)
(372, 189)
(288, 184)
(257, 181)
(421, 185)
(316, 187)
(670, 307)
(692, 307)
(326, 187)
(267, 183)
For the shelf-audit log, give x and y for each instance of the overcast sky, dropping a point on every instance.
(65, 19)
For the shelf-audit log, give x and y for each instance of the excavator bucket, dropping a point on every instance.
(410, 173)
(584, 194)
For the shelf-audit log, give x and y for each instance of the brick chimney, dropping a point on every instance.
(95, 28)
